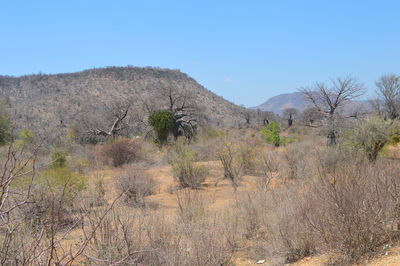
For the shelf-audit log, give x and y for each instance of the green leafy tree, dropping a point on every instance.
(162, 122)
(271, 133)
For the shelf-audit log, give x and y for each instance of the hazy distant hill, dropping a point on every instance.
(55, 101)
(280, 102)
(296, 100)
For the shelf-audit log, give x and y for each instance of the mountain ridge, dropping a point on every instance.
(42, 101)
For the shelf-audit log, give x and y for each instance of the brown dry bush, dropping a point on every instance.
(268, 167)
(195, 237)
(351, 210)
(299, 158)
(119, 239)
(232, 164)
(120, 152)
(135, 185)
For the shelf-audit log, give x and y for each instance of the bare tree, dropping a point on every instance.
(248, 115)
(388, 90)
(328, 100)
(184, 110)
(290, 114)
(118, 112)
(265, 117)
(312, 117)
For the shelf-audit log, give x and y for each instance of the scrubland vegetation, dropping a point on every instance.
(184, 193)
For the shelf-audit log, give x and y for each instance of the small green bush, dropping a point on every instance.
(186, 171)
(369, 137)
(162, 123)
(25, 137)
(271, 133)
(59, 158)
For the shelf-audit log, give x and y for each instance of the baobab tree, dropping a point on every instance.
(186, 114)
(388, 102)
(265, 117)
(290, 114)
(328, 100)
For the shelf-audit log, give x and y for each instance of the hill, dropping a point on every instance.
(58, 101)
(280, 102)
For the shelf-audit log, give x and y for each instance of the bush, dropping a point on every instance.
(370, 136)
(351, 210)
(232, 164)
(185, 169)
(162, 123)
(5, 126)
(120, 152)
(136, 186)
(58, 158)
(271, 133)
(53, 194)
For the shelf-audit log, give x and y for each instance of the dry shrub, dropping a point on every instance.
(351, 210)
(268, 166)
(232, 163)
(95, 192)
(207, 149)
(186, 171)
(299, 159)
(196, 237)
(118, 240)
(191, 206)
(207, 144)
(136, 186)
(120, 152)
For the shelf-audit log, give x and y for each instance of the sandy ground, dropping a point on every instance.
(219, 196)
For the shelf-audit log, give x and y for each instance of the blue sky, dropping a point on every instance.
(245, 51)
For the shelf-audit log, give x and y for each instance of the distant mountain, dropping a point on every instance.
(279, 103)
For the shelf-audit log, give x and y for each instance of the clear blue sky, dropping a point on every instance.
(245, 51)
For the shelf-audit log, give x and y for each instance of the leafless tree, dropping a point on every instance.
(312, 117)
(184, 111)
(248, 115)
(290, 114)
(118, 113)
(328, 100)
(388, 90)
(265, 117)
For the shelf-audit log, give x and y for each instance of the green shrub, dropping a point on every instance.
(369, 137)
(59, 158)
(25, 137)
(185, 169)
(5, 126)
(271, 133)
(162, 123)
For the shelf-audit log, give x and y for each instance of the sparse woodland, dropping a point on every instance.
(130, 166)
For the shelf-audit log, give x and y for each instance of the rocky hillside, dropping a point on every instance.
(58, 101)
